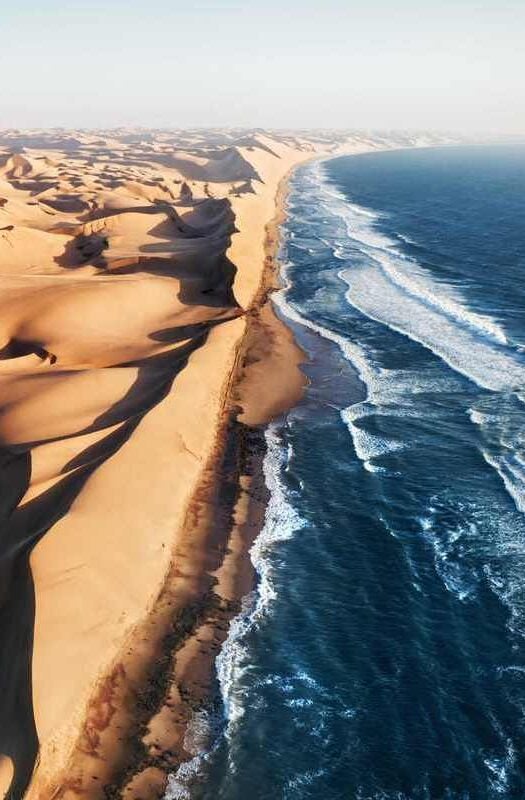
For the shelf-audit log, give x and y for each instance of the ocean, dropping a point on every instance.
(382, 655)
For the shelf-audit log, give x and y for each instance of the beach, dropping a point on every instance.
(141, 361)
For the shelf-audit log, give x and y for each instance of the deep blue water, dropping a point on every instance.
(383, 655)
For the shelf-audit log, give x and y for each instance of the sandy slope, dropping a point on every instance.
(126, 261)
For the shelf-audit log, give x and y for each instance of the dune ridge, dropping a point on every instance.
(128, 263)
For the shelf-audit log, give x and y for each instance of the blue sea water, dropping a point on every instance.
(383, 653)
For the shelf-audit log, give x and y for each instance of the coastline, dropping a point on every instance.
(133, 735)
(144, 562)
(287, 683)
(260, 370)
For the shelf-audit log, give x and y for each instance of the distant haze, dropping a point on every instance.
(441, 64)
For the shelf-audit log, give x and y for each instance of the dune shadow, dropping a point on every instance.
(84, 250)
(24, 526)
(205, 280)
(189, 246)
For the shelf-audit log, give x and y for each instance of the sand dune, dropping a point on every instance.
(127, 262)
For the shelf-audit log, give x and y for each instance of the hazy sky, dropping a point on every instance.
(445, 64)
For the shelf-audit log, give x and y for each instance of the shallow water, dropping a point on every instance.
(383, 655)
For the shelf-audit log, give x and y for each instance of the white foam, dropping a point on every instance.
(363, 443)
(488, 365)
(513, 479)
(230, 663)
(197, 741)
(179, 783)
(368, 445)
(294, 787)
(506, 582)
(407, 239)
(363, 212)
(397, 291)
(352, 352)
(449, 544)
(476, 416)
(412, 304)
(382, 385)
(500, 422)
(500, 768)
(479, 540)
(403, 271)
(281, 523)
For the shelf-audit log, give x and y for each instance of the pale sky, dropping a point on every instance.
(442, 64)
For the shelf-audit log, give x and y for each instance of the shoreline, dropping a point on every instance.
(235, 475)
(135, 732)
(140, 571)
(233, 492)
(244, 436)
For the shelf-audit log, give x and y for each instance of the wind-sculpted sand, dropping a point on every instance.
(128, 261)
